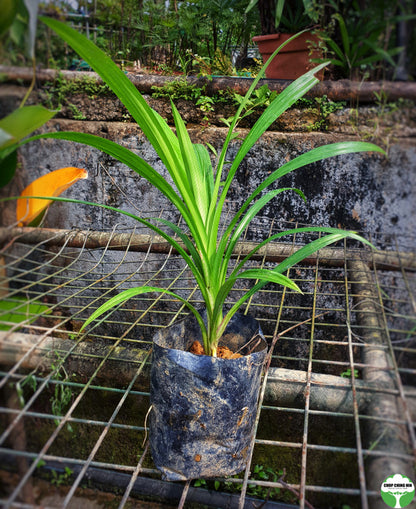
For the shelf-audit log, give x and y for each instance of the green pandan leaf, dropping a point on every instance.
(200, 190)
(133, 292)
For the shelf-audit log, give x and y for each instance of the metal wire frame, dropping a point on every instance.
(339, 394)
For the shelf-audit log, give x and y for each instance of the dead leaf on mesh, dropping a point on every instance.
(30, 211)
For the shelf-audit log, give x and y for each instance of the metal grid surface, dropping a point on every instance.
(338, 404)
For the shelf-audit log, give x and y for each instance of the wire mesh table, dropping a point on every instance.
(338, 405)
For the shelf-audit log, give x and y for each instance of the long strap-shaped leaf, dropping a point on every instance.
(312, 156)
(283, 101)
(122, 154)
(225, 250)
(137, 164)
(266, 276)
(296, 257)
(230, 135)
(237, 116)
(286, 233)
(194, 267)
(154, 127)
(133, 292)
(193, 177)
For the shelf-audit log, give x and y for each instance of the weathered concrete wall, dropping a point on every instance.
(362, 191)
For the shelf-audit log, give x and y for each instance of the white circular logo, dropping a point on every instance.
(397, 491)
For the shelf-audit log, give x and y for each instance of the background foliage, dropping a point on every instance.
(371, 39)
(156, 33)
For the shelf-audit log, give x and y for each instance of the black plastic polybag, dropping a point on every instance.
(204, 408)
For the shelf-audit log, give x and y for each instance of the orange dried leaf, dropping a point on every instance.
(52, 184)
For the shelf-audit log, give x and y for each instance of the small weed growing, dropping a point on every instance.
(56, 93)
(323, 107)
(181, 89)
(30, 381)
(348, 373)
(178, 89)
(62, 393)
(62, 478)
(260, 473)
(261, 99)
(76, 113)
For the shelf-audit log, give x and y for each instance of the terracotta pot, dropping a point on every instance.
(294, 59)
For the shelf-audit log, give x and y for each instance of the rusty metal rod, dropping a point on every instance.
(386, 433)
(273, 252)
(340, 90)
(329, 393)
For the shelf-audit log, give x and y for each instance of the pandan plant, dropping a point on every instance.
(200, 189)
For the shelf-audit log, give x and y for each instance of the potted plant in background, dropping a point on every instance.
(279, 21)
(370, 42)
(195, 432)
